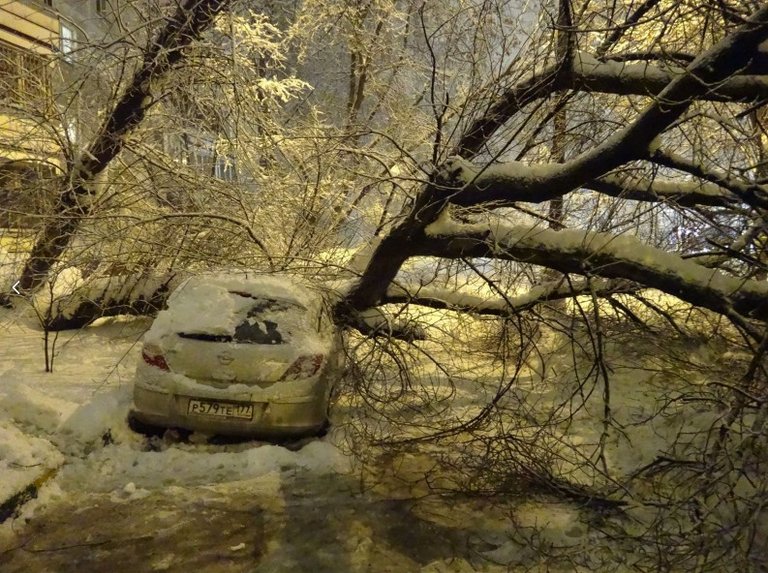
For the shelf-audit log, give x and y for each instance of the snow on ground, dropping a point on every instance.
(23, 459)
(73, 421)
(81, 407)
(116, 495)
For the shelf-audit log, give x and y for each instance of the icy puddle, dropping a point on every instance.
(270, 524)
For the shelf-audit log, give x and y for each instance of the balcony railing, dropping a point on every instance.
(25, 77)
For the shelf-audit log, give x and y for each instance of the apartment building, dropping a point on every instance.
(36, 37)
(53, 92)
(30, 36)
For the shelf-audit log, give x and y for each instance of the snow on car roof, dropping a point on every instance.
(279, 286)
(205, 304)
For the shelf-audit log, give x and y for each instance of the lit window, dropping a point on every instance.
(225, 168)
(67, 41)
(71, 129)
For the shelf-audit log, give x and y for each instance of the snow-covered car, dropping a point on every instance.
(240, 355)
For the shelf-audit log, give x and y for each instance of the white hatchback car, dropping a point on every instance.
(254, 357)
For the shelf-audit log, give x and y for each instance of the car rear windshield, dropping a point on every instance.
(268, 320)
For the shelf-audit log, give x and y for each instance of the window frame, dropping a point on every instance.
(67, 41)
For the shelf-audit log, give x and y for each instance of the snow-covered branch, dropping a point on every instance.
(751, 193)
(505, 183)
(609, 77)
(110, 297)
(516, 181)
(600, 254)
(705, 74)
(649, 78)
(451, 299)
(683, 193)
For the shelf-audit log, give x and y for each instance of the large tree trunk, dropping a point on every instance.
(75, 197)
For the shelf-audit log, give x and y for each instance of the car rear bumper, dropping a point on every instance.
(271, 419)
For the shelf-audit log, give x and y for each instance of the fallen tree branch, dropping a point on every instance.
(704, 76)
(502, 184)
(503, 307)
(750, 193)
(600, 254)
(112, 297)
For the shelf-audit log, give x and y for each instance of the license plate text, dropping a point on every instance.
(220, 409)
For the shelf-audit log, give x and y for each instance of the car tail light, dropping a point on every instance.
(154, 357)
(304, 367)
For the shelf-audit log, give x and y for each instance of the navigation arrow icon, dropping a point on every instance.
(14, 287)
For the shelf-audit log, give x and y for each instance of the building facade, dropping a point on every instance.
(55, 87)
(37, 38)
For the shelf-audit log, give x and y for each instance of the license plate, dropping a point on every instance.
(218, 409)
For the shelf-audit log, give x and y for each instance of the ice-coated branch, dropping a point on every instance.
(599, 254)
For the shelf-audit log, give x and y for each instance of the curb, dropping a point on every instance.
(11, 507)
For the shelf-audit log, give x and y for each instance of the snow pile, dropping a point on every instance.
(23, 459)
(111, 469)
(87, 426)
(205, 308)
(71, 427)
(31, 408)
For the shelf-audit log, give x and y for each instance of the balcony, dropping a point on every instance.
(25, 77)
(30, 26)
